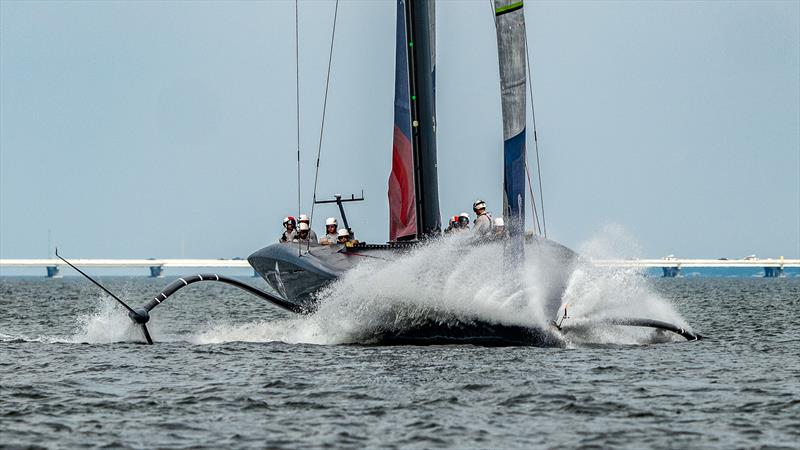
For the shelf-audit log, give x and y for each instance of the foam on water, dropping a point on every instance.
(296, 330)
(109, 323)
(594, 293)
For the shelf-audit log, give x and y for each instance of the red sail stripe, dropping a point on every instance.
(402, 204)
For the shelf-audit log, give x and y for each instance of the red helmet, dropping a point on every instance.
(287, 220)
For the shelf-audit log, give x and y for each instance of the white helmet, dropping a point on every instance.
(303, 218)
(498, 222)
(303, 226)
(330, 221)
(479, 204)
(343, 232)
(464, 215)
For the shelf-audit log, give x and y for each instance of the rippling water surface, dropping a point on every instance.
(231, 371)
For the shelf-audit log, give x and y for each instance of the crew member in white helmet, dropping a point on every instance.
(343, 236)
(303, 234)
(311, 235)
(289, 230)
(483, 222)
(330, 232)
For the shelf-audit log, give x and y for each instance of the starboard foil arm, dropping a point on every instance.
(651, 323)
(632, 322)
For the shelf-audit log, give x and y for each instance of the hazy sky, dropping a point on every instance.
(167, 129)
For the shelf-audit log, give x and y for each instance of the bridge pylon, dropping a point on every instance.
(156, 271)
(53, 272)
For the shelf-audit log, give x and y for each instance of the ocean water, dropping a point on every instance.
(230, 371)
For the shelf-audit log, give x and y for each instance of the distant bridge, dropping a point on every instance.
(671, 267)
(156, 266)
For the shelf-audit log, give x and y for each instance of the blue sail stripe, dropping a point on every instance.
(514, 182)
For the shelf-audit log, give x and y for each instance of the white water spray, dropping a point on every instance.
(109, 323)
(447, 281)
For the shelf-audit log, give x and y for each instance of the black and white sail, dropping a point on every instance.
(510, 26)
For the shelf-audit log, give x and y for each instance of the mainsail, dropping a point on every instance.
(402, 196)
(510, 25)
(414, 178)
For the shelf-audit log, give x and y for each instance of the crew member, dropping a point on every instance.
(330, 232)
(452, 226)
(288, 229)
(311, 235)
(463, 221)
(303, 234)
(483, 222)
(343, 236)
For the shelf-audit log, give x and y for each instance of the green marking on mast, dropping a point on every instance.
(414, 97)
(507, 8)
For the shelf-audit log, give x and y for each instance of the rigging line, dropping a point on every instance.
(535, 135)
(534, 210)
(324, 109)
(533, 199)
(297, 98)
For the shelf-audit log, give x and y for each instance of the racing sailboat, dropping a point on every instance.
(298, 272)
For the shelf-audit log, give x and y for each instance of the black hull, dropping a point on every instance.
(473, 333)
(297, 273)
